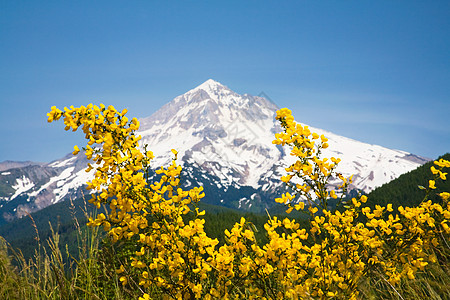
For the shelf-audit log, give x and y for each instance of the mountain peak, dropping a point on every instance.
(210, 84)
(211, 87)
(206, 104)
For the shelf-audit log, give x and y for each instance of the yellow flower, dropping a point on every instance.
(145, 297)
(432, 184)
(356, 203)
(333, 194)
(149, 154)
(199, 213)
(313, 210)
(282, 113)
(76, 150)
(120, 270)
(389, 207)
(141, 252)
(123, 280)
(286, 178)
(300, 206)
(434, 170)
(197, 289)
(444, 195)
(363, 199)
(442, 163)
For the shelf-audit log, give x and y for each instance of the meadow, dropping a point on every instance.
(153, 240)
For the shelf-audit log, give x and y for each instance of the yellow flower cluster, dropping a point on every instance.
(175, 259)
(309, 175)
(394, 245)
(170, 253)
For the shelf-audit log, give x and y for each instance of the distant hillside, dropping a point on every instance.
(9, 164)
(21, 233)
(404, 190)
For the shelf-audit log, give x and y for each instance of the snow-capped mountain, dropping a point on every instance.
(231, 135)
(228, 134)
(224, 141)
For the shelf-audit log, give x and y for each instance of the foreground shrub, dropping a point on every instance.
(343, 249)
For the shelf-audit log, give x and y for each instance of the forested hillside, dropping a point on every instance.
(405, 191)
(22, 233)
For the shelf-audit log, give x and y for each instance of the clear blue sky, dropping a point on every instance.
(375, 71)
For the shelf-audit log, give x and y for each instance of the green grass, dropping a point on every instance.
(53, 272)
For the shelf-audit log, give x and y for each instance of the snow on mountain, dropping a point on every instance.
(224, 141)
(223, 132)
(370, 165)
(35, 186)
(231, 136)
(22, 185)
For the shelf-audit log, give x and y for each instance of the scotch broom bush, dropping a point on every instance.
(342, 250)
